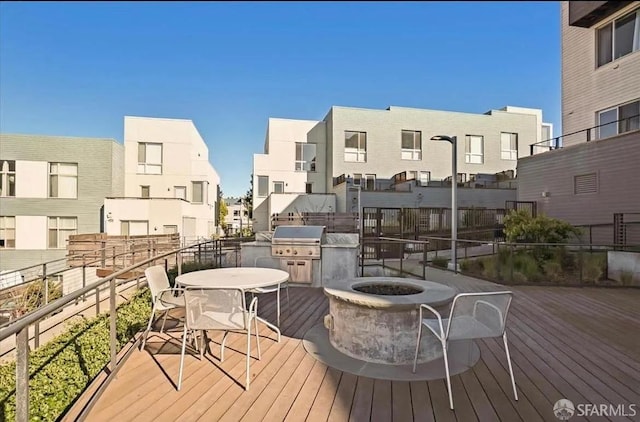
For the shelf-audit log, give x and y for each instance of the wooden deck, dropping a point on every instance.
(576, 343)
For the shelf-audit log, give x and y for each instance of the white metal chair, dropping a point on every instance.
(221, 309)
(472, 316)
(267, 262)
(164, 297)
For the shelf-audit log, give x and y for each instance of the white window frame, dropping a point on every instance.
(264, 192)
(145, 165)
(508, 153)
(414, 153)
(473, 157)
(611, 26)
(60, 234)
(127, 224)
(7, 178)
(7, 226)
(280, 184)
(615, 123)
(359, 153)
(203, 192)
(59, 172)
(368, 182)
(303, 151)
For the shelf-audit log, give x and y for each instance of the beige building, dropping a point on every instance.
(594, 175)
(169, 184)
(302, 159)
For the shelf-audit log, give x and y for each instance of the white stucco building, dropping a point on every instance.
(237, 219)
(169, 184)
(303, 158)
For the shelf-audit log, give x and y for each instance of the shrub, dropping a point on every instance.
(519, 278)
(520, 226)
(440, 262)
(187, 267)
(60, 370)
(565, 258)
(594, 267)
(527, 265)
(553, 271)
(490, 270)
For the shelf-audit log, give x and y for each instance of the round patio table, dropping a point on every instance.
(245, 278)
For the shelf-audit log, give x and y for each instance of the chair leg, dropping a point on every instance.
(415, 359)
(146, 333)
(446, 368)
(201, 344)
(278, 306)
(513, 380)
(164, 320)
(246, 385)
(255, 321)
(224, 338)
(184, 346)
(288, 303)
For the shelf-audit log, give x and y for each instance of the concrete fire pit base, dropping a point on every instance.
(463, 355)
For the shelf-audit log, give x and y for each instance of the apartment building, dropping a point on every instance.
(52, 187)
(303, 158)
(169, 184)
(237, 219)
(594, 175)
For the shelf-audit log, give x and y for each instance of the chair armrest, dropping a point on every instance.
(437, 314)
(173, 290)
(253, 308)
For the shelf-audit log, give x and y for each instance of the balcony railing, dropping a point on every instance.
(627, 124)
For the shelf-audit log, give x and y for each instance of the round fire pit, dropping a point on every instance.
(375, 319)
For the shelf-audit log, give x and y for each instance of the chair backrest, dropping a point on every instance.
(478, 315)
(215, 308)
(156, 279)
(266, 262)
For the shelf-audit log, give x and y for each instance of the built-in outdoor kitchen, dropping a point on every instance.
(309, 254)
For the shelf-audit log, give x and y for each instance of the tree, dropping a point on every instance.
(222, 212)
(248, 198)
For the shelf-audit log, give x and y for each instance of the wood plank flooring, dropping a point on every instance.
(576, 343)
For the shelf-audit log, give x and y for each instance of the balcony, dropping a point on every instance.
(585, 14)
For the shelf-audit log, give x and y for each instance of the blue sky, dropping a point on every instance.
(76, 69)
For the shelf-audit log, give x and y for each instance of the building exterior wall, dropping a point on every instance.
(383, 148)
(185, 159)
(586, 88)
(237, 217)
(96, 161)
(614, 161)
(384, 127)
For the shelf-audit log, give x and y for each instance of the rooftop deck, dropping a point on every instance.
(576, 343)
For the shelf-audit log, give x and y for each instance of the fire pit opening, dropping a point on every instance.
(387, 289)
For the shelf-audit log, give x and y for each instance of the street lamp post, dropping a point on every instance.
(454, 197)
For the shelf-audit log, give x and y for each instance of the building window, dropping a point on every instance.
(134, 228)
(509, 146)
(366, 182)
(145, 191)
(278, 187)
(149, 158)
(63, 180)
(411, 145)
(585, 183)
(619, 38)
(422, 178)
(170, 229)
(7, 232)
(355, 146)
(7, 178)
(180, 192)
(619, 119)
(474, 149)
(305, 157)
(308, 187)
(198, 193)
(263, 185)
(236, 213)
(60, 228)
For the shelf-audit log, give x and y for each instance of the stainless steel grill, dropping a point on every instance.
(298, 241)
(298, 247)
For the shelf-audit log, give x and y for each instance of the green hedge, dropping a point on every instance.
(63, 368)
